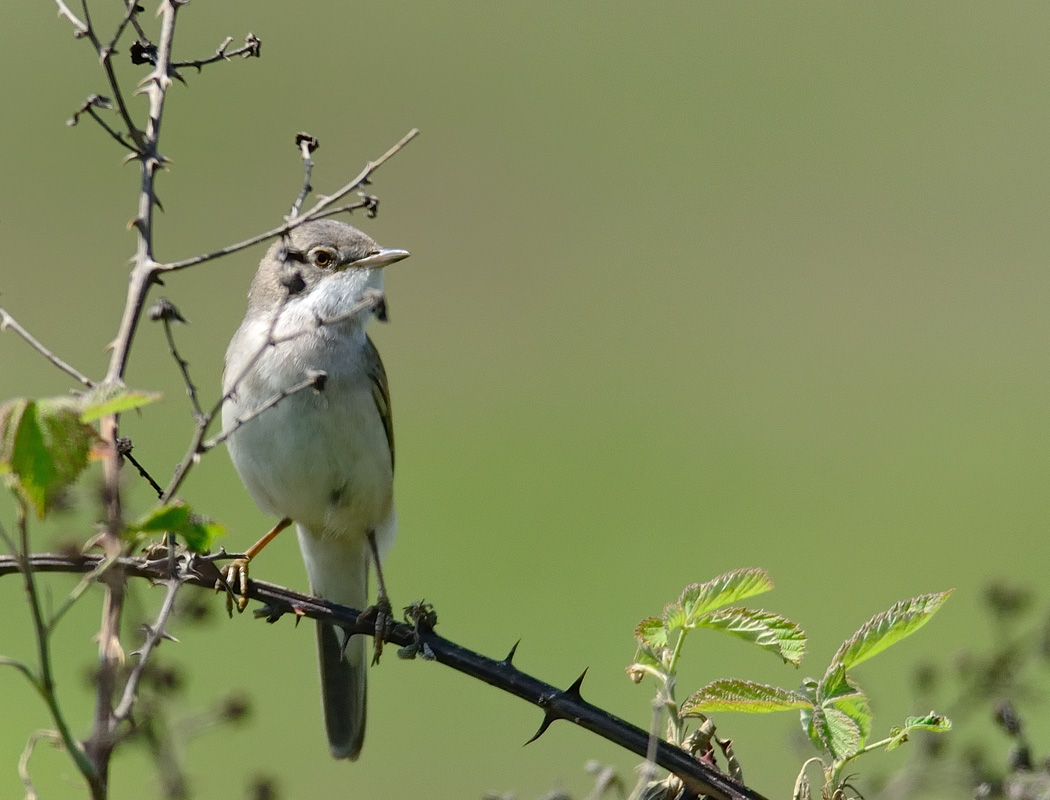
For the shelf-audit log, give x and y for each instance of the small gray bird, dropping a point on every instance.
(323, 460)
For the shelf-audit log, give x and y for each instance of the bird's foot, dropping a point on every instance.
(235, 581)
(383, 614)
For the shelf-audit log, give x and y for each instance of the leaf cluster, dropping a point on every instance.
(834, 712)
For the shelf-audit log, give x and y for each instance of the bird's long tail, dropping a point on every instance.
(339, 572)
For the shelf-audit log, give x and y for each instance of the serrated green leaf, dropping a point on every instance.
(113, 400)
(765, 629)
(833, 731)
(730, 694)
(674, 618)
(651, 631)
(856, 707)
(888, 628)
(730, 587)
(936, 723)
(43, 449)
(197, 532)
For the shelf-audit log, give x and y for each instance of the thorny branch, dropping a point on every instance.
(318, 210)
(251, 49)
(420, 638)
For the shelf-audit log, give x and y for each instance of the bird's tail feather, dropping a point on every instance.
(338, 571)
(343, 684)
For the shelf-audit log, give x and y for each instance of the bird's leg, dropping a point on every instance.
(235, 574)
(382, 610)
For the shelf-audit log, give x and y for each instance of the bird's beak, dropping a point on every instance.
(377, 260)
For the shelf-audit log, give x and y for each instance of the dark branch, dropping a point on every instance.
(555, 703)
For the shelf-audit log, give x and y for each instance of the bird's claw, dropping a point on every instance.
(383, 614)
(235, 582)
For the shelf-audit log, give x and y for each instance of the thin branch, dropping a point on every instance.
(88, 107)
(307, 144)
(45, 682)
(124, 447)
(106, 60)
(314, 381)
(27, 753)
(79, 28)
(165, 311)
(7, 321)
(420, 638)
(23, 668)
(316, 212)
(154, 635)
(131, 9)
(251, 49)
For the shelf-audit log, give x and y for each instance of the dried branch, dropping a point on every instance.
(79, 28)
(27, 753)
(7, 321)
(154, 634)
(319, 210)
(315, 380)
(420, 638)
(306, 144)
(88, 107)
(251, 49)
(166, 312)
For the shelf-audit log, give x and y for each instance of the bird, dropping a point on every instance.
(310, 433)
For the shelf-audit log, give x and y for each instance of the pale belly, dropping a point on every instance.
(320, 458)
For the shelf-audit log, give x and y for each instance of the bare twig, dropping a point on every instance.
(105, 55)
(79, 28)
(307, 144)
(564, 704)
(88, 107)
(124, 447)
(7, 321)
(27, 753)
(131, 9)
(251, 49)
(316, 212)
(165, 311)
(314, 381)
(153, 636)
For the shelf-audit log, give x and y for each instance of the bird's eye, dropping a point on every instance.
(324, 257)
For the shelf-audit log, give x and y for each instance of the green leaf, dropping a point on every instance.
(765, 629)
(197, 532)
(730, 694)
(887, 628)
(730, 587)
(834, 732)
(674, 617)
(43, 448)
(651, 631)
(936, 723)
(113, 400)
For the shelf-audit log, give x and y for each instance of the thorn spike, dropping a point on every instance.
(510, 656)
(574, 690)
(548, 718)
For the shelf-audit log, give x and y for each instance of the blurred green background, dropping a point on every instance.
(694, 286)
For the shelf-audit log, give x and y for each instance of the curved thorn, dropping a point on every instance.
(548, 718)
(574, 690)
(510, 656)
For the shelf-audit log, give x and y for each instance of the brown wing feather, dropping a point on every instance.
(380, 393)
